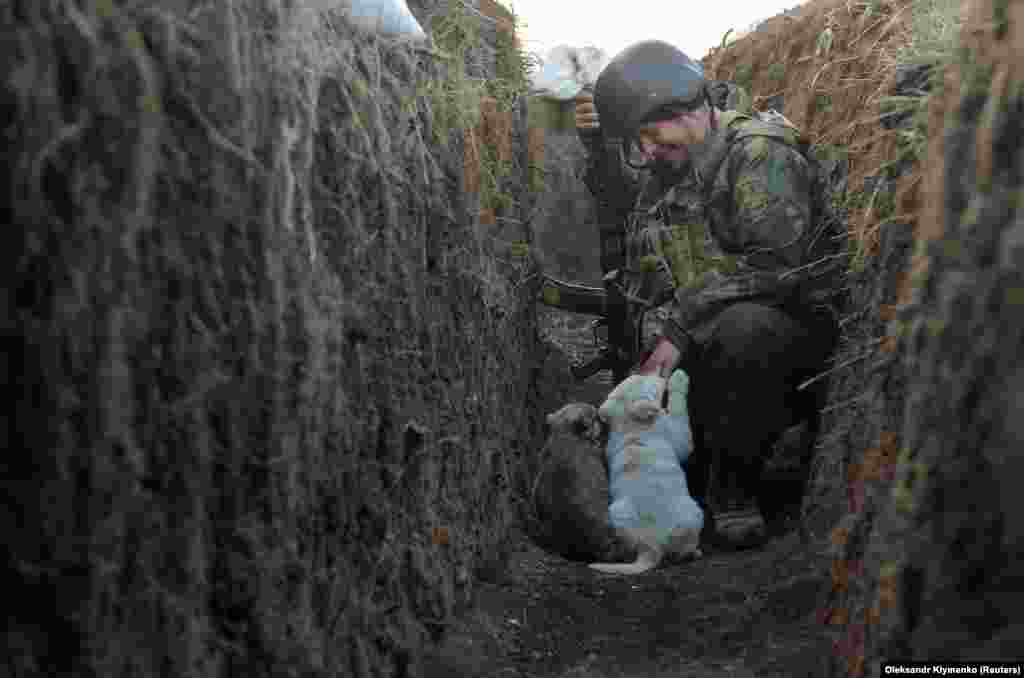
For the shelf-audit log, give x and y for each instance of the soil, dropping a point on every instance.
(743, 614)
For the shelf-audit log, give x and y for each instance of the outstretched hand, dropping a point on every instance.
(661, 361)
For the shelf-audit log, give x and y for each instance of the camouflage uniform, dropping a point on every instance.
(730, 248)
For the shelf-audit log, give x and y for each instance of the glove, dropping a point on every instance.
(588, 128)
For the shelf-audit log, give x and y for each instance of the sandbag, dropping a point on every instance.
(390, 17)
(567, 70)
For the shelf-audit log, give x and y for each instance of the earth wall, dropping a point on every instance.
(271, 416)
(912, 487)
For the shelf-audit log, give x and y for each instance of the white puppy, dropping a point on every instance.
(651, 504)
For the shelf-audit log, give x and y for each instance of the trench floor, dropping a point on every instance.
(745, 614)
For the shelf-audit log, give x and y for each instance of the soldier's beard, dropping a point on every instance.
(670, 171)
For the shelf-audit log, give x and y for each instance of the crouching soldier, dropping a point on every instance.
(727, 235)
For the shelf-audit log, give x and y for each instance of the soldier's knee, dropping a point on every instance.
(750, 333)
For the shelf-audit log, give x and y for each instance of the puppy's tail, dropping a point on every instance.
(647, 559)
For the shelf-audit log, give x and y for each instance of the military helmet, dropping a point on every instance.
(643, 79)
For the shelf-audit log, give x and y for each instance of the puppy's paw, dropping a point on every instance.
(678, 385)
(679, 382)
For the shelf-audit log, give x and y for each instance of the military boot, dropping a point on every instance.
(736, 521)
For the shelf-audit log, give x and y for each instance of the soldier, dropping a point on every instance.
(728, 232)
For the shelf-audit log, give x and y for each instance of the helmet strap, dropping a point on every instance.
(627, 152)
(712, 116)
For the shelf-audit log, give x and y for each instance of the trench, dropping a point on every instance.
(279, 378)
(748, 613)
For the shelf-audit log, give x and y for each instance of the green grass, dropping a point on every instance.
(1001, 11)
(744, 74)
(512, 67)
(456, 99)
(932, 34)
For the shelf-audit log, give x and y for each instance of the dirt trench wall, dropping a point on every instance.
(271, 398)
(914, 477)
(941, 575)
(565, 215)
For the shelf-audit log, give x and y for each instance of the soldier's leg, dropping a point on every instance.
(744, 396)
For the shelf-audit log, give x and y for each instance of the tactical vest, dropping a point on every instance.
(676, 228)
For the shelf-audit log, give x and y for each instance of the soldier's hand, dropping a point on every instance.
(661, 361)
(586, 112)
(588, 127)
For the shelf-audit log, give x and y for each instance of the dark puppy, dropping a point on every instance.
(570, 495)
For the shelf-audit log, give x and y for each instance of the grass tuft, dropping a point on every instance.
(744, 75)
(931, 34)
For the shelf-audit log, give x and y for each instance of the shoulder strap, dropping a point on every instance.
(728, 96)
(738, 126)
(707, 168)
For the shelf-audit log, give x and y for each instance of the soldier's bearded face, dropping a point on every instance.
(668, 141)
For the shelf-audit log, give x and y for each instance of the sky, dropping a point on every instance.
(693, 27)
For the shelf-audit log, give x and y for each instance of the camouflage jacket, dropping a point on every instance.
(748, 223)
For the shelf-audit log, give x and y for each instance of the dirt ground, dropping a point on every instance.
(746, 614)
(743, 614)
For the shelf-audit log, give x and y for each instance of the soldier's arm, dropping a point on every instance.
(605, 173)
(760, 210)
(761, 207)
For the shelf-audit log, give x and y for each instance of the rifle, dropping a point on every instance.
(622, 349)
(623, 326)
(612, 305)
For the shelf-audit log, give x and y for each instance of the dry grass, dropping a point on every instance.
(850, 52)
(932, 34)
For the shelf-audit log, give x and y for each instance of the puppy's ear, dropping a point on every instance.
(557, 420)
(582, 427)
